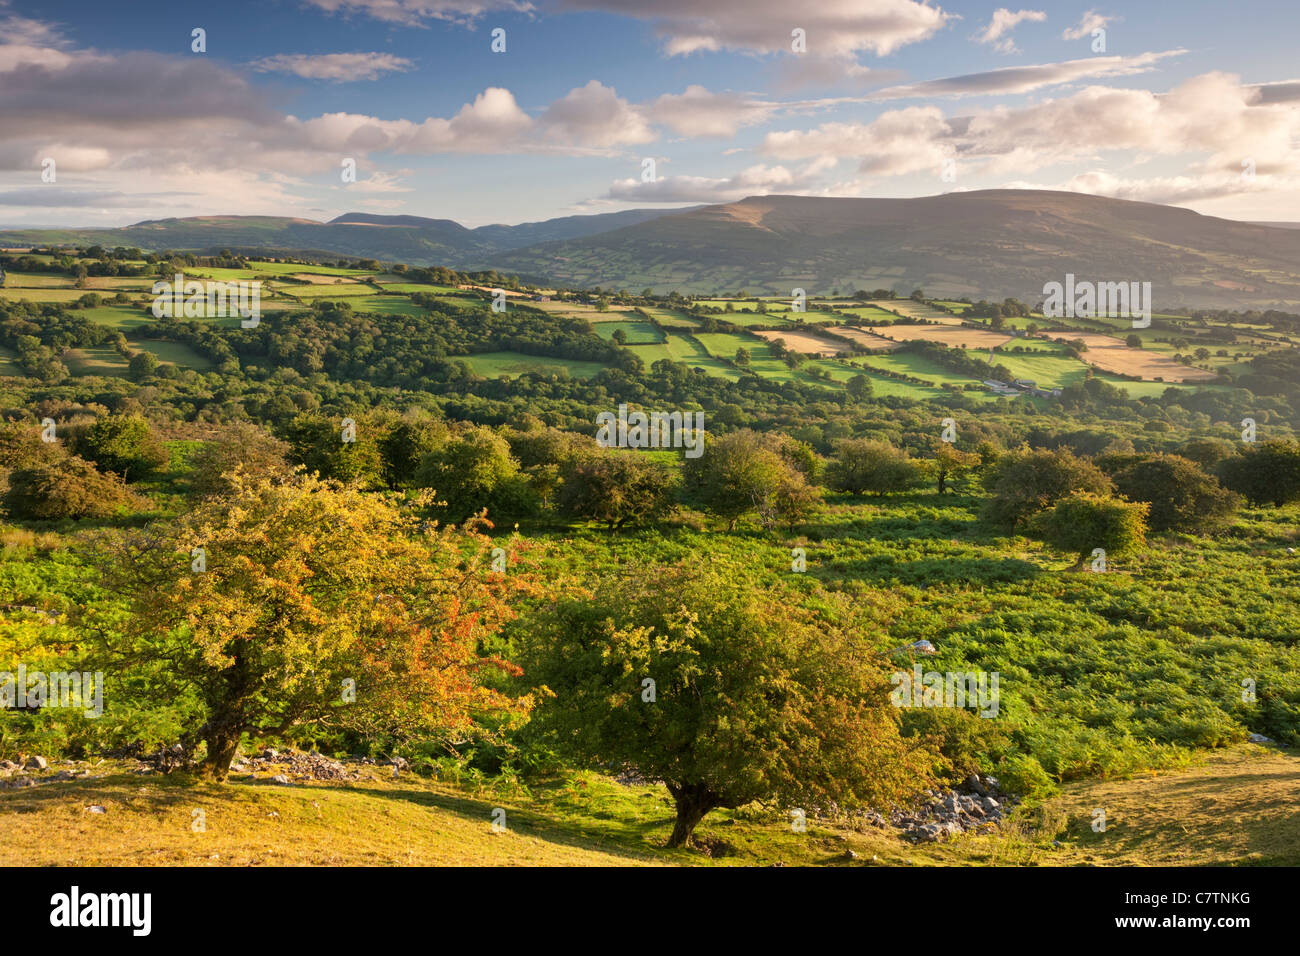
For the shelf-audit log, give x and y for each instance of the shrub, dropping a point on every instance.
(1267, 473)
(1083, 522)
(69, 487)
(861, 466)
(1181, 496)
(1025, 483)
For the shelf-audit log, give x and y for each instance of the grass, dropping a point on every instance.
(514, 364)
(638, 333)
(1233, 809)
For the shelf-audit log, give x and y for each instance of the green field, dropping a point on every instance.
(513, 364)
(327, 291)
(173, 352)
(638, 333)
(671, 319)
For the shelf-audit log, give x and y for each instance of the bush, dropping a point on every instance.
(615, 487)
(1267, 473)
(1024, 775)
(122, 444)
(1025, 483)
(1181, 496)
(1083, 522)
(862, 466)
(67, 488)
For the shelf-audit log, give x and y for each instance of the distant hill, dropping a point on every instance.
(415, 240)
(986, 244)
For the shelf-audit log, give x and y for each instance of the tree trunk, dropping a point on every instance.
(693, 802)
(223, 744)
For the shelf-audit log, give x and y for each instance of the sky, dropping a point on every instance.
(508, 111)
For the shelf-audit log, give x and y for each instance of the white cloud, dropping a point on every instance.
(338, 67)
(1025, 79)
(595, 116)
(1213, 121)
(1092, 20)
(700, 112)
(754, 181)
(833, 27)
(1002, 23)
(418, 12)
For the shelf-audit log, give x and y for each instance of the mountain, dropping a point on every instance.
(415, 240)
(983, 244)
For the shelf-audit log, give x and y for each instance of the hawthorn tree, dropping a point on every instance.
(64, 487)
(1082, 522)
(1181, 496)
(1027, 482)
(745, 471)
(860, 466)
(122, 444)
(753, 698)
(308, 590)
(615, 487)
(1267, 473)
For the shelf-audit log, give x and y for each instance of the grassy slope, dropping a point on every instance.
(1174, 819)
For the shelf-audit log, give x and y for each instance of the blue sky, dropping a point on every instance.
(1185, 103)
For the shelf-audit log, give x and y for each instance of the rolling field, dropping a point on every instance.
(951, 336)
(514, 364)
(1112, 355)
(638, 333)
(348, 290)
(917, 310)
(671, 319)
(865, 339)
(805, 342)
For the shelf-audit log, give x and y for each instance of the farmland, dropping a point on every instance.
(518, 391)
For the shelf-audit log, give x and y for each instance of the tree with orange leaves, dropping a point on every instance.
(311, 602)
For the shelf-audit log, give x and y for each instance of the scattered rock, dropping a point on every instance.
(36, 763)
(280, 779)
(96, 808)
(1259, 739)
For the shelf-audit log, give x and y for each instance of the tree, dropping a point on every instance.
(1133, 340)
(404, 445)
(122, 444)
(141, 365)
(1181, 496)
(66, 487)
(619, 337)
(308, 586)
(1266, 473)
(752, 697)
(1082, 522)
(242, 449)
(1024, 483)
(950, 465)
(473, 471)
(320, 445)
(860, 466)
(858, 387)
(615, 487)
(741, 472)
(742, 357)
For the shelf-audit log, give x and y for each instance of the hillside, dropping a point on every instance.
(597, 822)
(988, 244)
(416, 240)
